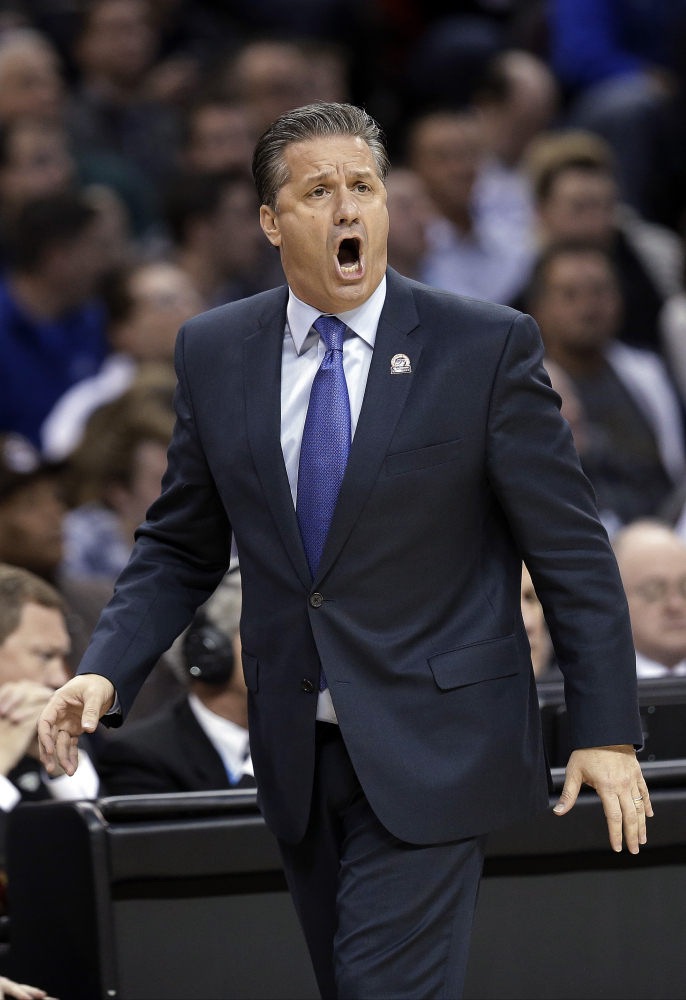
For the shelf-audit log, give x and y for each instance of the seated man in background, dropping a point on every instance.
(652, 563)
(114, 476)
(471, 251)
(634, 436)
(34, 644)
(577, 198)
(52, 330)
(32, 514)
(200, 742)
(217, 138)
(409, 213)
(214, 225)
(146, 306)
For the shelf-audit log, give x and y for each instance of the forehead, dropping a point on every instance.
(446, 132)
(575, 182)
(579, 267)
(653, 556)
(42, 624)
(327, 154)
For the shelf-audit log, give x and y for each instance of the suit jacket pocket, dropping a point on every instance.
(480, 661)
(250, 671)
(422, 458)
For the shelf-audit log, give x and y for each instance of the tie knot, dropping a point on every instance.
(332, 331)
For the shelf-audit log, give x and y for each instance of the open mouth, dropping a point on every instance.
(349, 258)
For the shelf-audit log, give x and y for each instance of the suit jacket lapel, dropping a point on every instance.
(383, 403)
(262, 375)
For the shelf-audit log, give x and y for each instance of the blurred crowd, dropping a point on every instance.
(539, 161)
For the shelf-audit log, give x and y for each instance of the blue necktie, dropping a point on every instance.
(325, 446)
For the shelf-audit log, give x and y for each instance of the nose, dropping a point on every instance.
(56, 675)
(345, 208)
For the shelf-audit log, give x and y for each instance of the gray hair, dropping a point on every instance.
(311, 122)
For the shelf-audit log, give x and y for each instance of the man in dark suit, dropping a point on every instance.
(385, 454)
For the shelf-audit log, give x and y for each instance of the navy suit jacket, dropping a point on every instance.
(458, 470)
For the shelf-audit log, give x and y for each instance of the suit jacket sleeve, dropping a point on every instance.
(535, 472)
(125, 769)
(181, 553)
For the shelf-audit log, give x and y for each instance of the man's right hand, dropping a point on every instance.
(74, 709)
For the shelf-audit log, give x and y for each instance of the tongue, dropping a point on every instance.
(346, 256)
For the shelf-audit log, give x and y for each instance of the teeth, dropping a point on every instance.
(351, 268)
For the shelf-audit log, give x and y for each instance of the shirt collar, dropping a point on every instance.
(363, 320)
(646, 668)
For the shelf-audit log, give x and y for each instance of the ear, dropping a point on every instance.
(269, 221)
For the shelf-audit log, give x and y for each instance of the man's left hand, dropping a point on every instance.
(616, 776)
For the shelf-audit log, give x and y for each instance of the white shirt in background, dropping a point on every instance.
(646, 668)
(84, 784)
(230, 740)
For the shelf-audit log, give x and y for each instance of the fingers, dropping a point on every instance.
(47, 734)
(65, 743)
(569, 793)
(637, 800)
(92, 707)
(614, 816)
(643, 790)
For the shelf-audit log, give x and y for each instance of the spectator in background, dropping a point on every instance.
(115, 476)
(52, 330)
(635, 437)
(111, 110)
(35, 161)
(577, 198)
(30, 81)
(270, 77)
(652, 563)
(31, 524)
(34, 645)
(409, 213)
(536, 629)
(214, 223)
(515, 101)
(470, 253)
(146, 306)
(200, 742)
(618, 57)
(218, 139)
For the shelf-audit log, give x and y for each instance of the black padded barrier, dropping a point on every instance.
(182, 897)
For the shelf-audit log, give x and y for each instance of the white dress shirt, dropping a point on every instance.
(231, 741)
(646, 668)
(83, 784)
(303, 353)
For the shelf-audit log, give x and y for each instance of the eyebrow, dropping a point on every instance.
(324, 174)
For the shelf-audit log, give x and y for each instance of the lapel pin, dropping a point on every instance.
(400, 365)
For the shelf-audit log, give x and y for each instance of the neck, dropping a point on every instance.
(225, 702)
(576, 362)
(39, 296)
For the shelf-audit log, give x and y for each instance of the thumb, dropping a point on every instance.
(91, 711)
(569, 793)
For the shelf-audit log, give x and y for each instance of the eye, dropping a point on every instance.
(364, 188)
(319, 192)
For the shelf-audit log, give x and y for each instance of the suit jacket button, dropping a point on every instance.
(307, 686)
(316, 600)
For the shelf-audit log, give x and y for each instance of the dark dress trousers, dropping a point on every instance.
(167, 752)
(461, 466)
